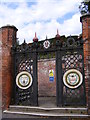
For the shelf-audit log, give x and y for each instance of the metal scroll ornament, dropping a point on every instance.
(24, 80)
(72, 78)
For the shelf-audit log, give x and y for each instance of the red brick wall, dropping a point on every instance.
(0, 71)
(46, 87)
(7, 33)
(86, 35)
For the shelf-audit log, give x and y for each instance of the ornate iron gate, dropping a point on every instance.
(70, 84)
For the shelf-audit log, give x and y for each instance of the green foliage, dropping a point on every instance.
(84, 7)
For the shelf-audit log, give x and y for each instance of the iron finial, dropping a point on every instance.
(24, 41)
(35, 39)
(57, 35)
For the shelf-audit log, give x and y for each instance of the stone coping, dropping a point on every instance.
(83, 16)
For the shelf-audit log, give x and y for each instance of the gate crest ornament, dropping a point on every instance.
(24, 80)
(46, 44)
(72, 78)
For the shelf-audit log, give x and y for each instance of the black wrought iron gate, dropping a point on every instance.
(70, 84)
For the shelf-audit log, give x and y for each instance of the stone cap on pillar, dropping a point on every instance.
(9, 26)
(83, 16)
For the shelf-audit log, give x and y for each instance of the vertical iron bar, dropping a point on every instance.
(35, 78)
(59, 86)
(84, 76)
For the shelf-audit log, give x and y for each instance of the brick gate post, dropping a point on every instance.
(85, 19)
(7, 39)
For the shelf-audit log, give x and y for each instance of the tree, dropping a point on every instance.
(84, 7)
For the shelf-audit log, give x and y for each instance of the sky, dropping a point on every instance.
(41, 16)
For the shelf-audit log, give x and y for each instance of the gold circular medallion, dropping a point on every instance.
(72, 78)
(24, 80)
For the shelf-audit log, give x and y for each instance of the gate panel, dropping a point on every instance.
(25, 61)
(73, 73)
(70, 61)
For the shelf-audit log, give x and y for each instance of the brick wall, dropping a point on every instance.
(0, 72)
(7, 33)
(45, 86)
(86, 35)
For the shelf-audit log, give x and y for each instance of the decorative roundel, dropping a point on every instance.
(72, 78)
(46, 44)
(70, 42)
(24, 80)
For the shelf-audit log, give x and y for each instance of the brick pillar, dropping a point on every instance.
(8, 38)
(86, 35)
(0, 76)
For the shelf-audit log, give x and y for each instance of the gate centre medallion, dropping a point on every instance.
(24, 80)
(72, 78)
